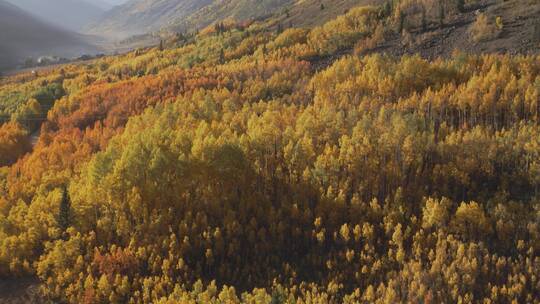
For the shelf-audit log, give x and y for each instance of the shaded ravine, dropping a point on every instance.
(19, 291)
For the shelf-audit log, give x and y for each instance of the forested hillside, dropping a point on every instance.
(256, 162)
(137, 17)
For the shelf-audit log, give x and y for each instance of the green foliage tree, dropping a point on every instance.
(460, 4)
(64, 211)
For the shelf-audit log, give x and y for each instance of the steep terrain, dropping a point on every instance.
(142, 16)
(22, 36)
(235, 9)
(256, 162)
(519, 32)
(137, 17)
(309, 13)
(68, 14)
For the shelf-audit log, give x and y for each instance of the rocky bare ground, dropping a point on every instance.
(520, 18)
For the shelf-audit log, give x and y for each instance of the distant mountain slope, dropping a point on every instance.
(69, 14)
(142, 16)
(23, 35)
(110, 3)
(309, 13)
(237, 9)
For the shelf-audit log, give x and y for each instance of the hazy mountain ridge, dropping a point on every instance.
(68, 14)
(24, 35)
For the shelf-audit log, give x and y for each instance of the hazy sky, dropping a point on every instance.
(115, 2)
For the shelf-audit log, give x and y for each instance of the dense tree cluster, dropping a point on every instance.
(232, 168)
(14, 143)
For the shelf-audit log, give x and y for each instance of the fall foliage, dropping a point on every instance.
(233, 167)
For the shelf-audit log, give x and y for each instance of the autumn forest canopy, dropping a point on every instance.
(259, 162)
